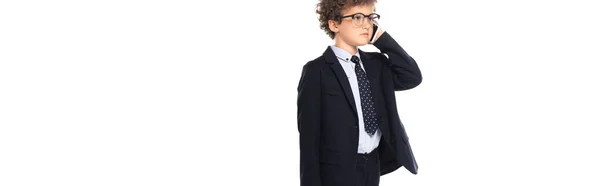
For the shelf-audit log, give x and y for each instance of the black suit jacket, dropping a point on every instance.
(328, 120)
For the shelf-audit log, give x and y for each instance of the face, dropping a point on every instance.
(352, 31)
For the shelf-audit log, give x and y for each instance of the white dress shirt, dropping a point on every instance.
(366, 143)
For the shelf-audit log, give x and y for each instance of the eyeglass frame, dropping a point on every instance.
(365, 16)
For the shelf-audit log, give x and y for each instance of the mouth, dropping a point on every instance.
(364, 34)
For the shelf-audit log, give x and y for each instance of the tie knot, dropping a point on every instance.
(355, 59)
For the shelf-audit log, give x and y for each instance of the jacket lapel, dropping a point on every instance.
(341, 76)
(370, 67)
(373, 69)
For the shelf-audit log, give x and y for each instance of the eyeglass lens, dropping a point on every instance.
(359, 19)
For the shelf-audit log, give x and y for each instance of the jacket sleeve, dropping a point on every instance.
(309, 120)
(405, 71)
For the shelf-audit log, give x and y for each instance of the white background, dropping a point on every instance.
(204, 92)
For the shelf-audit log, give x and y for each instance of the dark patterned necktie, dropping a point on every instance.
(366, 99)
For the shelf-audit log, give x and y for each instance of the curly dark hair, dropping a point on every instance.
(332, 10)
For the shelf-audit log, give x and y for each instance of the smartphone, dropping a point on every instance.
(375, 30)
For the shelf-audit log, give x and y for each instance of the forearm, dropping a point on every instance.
(405, 71)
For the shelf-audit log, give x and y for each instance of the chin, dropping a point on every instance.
(362, 43)
(357, 42)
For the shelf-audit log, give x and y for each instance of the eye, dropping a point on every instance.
(359, 16)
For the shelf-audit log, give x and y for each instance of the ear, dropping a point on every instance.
(333, 26)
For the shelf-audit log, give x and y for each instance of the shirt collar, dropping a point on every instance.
(342, 54)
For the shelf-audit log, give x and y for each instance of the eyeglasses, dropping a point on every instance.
(358, 19)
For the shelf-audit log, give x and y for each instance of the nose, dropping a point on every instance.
(366, 25)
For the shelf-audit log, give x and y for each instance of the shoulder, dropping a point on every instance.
(311, 73)
(313, 65)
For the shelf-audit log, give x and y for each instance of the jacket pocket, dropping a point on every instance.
(333, 92)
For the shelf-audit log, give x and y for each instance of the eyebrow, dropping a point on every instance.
(363, 13)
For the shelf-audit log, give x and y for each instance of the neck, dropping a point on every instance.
(345, 46)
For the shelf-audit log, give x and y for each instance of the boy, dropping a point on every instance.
(350, 131)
